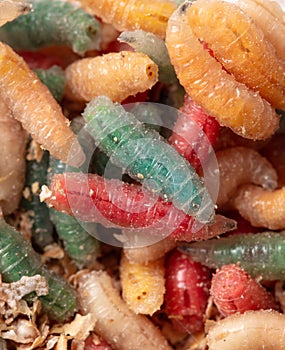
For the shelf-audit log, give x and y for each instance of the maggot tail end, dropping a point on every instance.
(199, 251)
(220, 225)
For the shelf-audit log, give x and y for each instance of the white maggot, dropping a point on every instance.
(115, 322)
(253, 330)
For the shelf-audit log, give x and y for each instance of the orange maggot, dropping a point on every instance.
(214, 80)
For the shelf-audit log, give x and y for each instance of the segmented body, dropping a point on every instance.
(233, 290)
(66, 24)
(17, 259)
(262, 329)
(187, 285)
(33, 105)
(194, 133)
(260, 254)
(143, 285)
(92, 198)
(151, 16)
(148, 113)
(119, 326)
(268, 16)
(116, 75)
(147, 158)
(79, 245)
(241, 47)
(221, 94)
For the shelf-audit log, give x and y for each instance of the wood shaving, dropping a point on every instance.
(38, 341)
(51, 342)
(12, 293)
(22, 331)
(35, 188)
(45, 193)
(25, 332)
(52, 251)
(35, 152)
(62, 343)
(79, 328)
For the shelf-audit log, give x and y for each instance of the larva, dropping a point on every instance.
(17, 259)
(66, 24)
(147, 158)
(151, 16)
(260, 254)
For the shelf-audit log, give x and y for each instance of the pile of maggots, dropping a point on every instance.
(213, 277)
